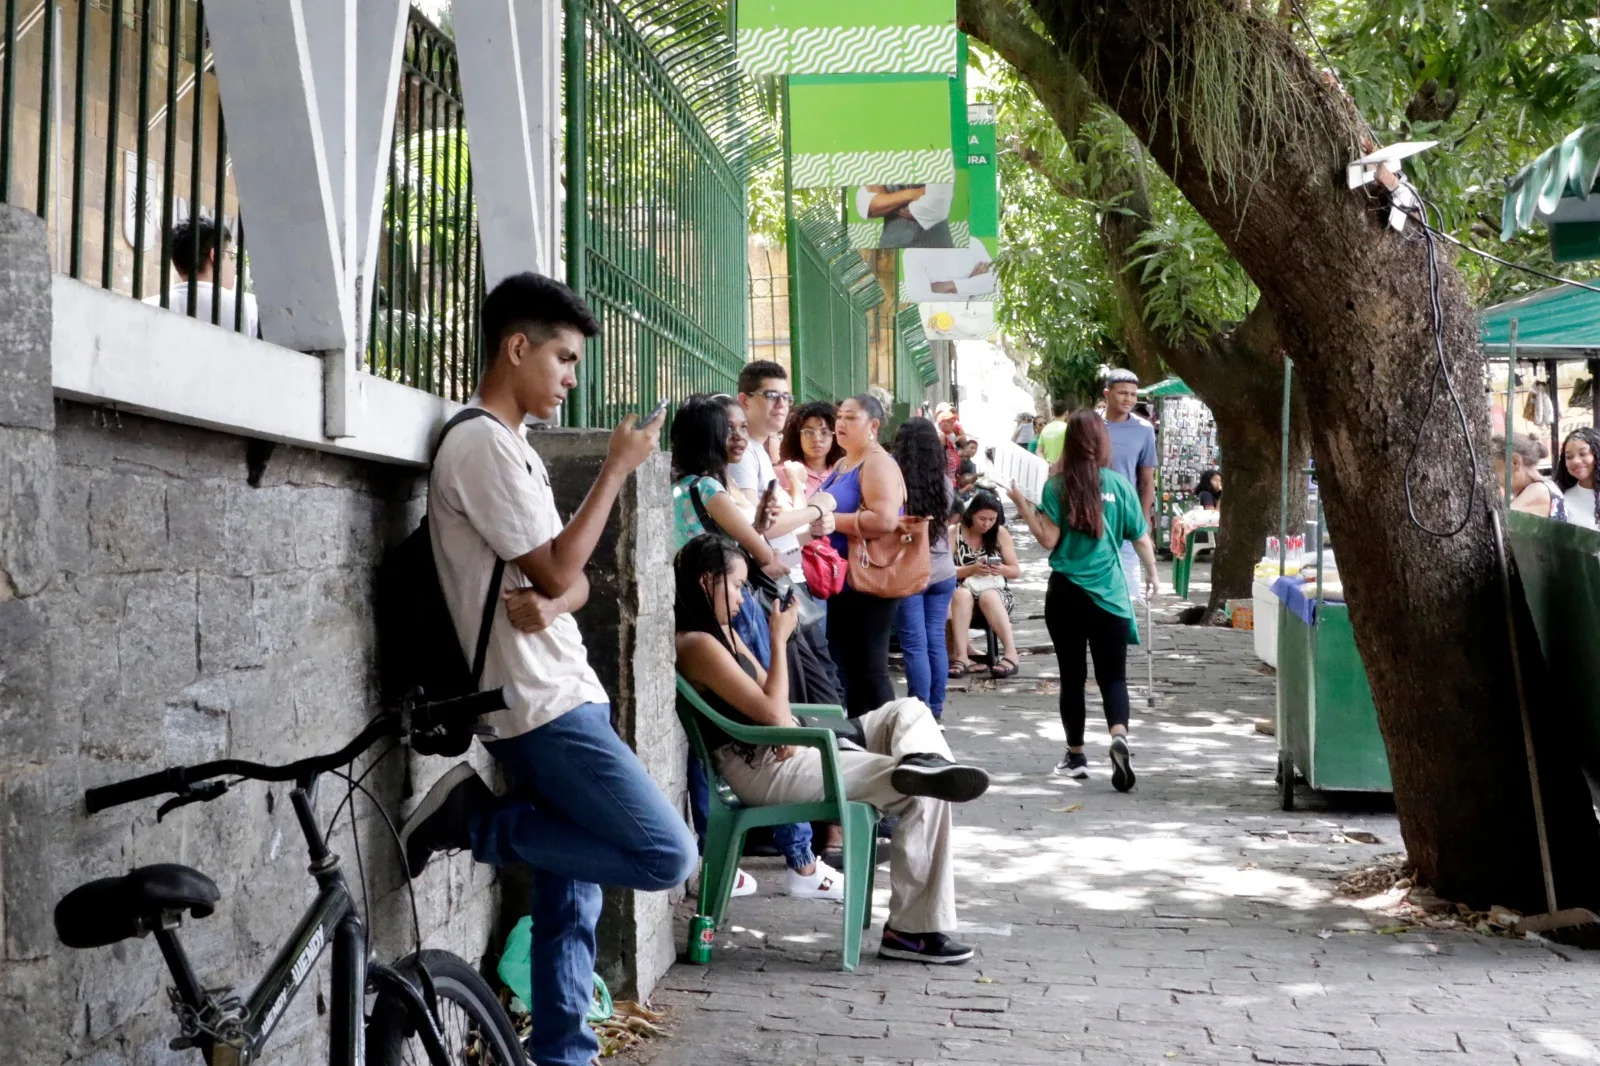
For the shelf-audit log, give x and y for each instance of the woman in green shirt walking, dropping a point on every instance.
(1087, 512)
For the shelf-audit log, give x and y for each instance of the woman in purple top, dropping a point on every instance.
(868, 497)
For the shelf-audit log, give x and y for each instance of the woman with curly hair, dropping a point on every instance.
(1575, 473)
(919, 619)
(809, 451)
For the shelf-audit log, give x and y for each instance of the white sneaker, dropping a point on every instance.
(744, 884)
(824, 883)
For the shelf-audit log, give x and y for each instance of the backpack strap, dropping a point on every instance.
(707, 523)
(486, 622)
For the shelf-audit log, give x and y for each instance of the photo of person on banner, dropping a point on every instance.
(934, 275)
(914, 216)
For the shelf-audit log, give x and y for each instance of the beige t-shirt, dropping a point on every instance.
(489, 496)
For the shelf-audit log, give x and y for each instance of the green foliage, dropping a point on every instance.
(1496, 83)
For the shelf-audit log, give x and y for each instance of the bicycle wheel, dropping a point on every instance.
(475, 1027)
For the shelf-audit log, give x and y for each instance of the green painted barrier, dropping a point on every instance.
(1560, 568)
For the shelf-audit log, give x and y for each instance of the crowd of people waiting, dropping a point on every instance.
(788, 588)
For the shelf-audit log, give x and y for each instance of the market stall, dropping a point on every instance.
(1186, 446)
(1327, 726)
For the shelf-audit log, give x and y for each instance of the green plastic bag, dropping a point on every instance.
(516, 959)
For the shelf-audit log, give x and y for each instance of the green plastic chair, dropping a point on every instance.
(1182, 565)
(728, 820)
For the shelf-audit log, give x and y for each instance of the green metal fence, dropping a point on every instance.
(111, 130)
(424, 328)
(831, 292)
(662, 132)
(914, 368)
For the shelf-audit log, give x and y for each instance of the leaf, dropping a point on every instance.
(1390, 930)
(982, 980)
(1326, 934)
(1066, 810)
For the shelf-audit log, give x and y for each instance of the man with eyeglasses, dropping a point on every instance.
(764, 394)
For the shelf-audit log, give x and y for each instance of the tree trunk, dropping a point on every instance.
(1252, 457)
(1352, 304)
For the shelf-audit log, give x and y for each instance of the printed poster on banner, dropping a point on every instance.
(847, 36)
(973, 321)
(949, 275)
(982, 170)
(909, 216)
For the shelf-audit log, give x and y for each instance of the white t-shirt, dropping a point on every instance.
(488, 496)
(754, 471)
(1580, 506)
(178, 300)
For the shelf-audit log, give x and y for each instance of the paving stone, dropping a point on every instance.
(1175, 924)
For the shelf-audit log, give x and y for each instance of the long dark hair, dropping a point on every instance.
(1206, 481)
(1086, 451)
(920, 455)
(791, 449)
(700, 439)
(1589, 436)
(693, 611)
(983, 500)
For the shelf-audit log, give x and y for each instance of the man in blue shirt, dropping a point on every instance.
(1133, 455)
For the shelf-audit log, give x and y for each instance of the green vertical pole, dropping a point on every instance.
(1511, 406)
(577, 104)
(1283, 496)
(791, 245)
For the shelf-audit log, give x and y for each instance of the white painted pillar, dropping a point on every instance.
(310, 114)
(510, 53)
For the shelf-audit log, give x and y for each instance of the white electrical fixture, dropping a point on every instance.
(1383, 167)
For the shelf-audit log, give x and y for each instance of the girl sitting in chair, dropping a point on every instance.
(898, 760)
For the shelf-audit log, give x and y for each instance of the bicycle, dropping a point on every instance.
(430, 1001)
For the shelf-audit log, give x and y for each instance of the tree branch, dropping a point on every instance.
(1030, 155)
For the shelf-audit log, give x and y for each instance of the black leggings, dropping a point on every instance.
(1074, 619)
(858, 639)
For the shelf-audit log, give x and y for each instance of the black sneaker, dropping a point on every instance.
(1121, 765)
(1075, 765)
(440, 821)
(922, 947)
(935, 776)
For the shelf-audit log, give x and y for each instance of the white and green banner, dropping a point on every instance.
(847, 36)
(870, 130)
(982, 171)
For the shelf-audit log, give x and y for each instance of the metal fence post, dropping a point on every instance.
(577, 107)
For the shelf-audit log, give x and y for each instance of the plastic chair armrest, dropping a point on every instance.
(818, 710)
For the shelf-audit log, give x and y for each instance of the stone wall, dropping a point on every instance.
(627, 627)
(158, 608)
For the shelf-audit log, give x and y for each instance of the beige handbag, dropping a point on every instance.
(894, 564)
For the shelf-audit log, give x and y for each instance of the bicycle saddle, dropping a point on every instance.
(115, 908)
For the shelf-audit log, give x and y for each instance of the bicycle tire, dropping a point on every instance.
(475, 1026)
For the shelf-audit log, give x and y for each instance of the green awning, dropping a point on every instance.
(1169, 387)
(1559, 323)
(1558, 189)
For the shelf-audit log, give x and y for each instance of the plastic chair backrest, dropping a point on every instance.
(691, 706)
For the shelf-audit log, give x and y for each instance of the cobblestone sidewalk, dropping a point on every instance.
(1189, 921)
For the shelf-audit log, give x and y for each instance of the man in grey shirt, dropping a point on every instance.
(1133, 455)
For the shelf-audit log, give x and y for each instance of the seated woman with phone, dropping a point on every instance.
(986, 558)
(895, 757)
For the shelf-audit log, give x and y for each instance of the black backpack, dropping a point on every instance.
(418, 650)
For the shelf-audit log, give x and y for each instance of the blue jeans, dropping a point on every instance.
(751, 625)
(792, 841)
(919, 620)
(582, 812)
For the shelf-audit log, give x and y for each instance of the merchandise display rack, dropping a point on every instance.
(1186, 446)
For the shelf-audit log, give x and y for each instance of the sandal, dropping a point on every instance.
(1001, 670)
(959, 668)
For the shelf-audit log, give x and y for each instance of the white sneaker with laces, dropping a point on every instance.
(823, 883)
(744, 885)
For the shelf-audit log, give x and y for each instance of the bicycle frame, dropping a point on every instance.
(332, 919)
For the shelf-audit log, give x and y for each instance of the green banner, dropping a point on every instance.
(870, 130)
(847, 36)
(983, 173)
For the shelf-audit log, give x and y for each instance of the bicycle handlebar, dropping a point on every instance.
(177, 779)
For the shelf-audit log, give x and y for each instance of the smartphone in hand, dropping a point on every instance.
(660, 409)
(764, 505)
(788, 599)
